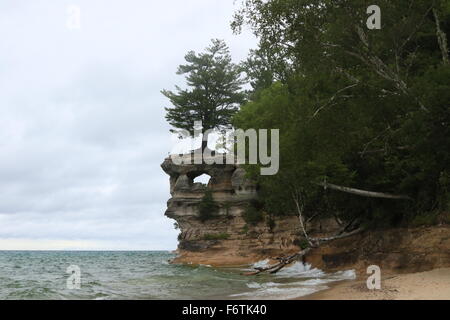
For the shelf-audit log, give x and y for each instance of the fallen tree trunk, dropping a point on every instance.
(442, 39)
(339, 236)
(363, 193)
(313, 242)
(284, 261)
(280, 265)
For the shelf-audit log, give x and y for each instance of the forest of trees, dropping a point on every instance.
(368, 110)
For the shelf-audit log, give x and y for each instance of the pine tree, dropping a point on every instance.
(214, 91)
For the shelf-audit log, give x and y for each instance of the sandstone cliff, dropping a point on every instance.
(227, 239)
(399, 250)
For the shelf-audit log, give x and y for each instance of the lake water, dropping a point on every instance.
(147, 275)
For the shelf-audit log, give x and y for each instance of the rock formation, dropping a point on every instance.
(226, 239)
(398, 250)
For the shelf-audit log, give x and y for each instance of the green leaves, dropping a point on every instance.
(207, 208)
(213, 91)
(363, 108)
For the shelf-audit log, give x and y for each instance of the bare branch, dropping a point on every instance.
(333, 98)
(363, 193)
(442, 38)
(280, 265)
(374, 139)
(300, 218)
(339, 236)
(284, 261)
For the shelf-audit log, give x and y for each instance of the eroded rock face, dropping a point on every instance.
(229, 240)
(226, 239)
(394, 251)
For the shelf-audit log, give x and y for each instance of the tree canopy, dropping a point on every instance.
(363, 113)
(367, 109)
(213, 92)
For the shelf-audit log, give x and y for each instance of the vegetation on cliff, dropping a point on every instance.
(365, 109)
(364, 114)
(207, 208)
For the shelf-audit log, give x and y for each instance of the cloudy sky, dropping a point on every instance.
(82, 128)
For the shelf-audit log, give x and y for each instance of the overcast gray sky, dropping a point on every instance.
(82, 128)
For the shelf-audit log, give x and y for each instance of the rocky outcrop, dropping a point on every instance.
(399, 250)
(227, 239)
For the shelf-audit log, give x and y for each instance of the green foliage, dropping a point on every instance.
(270, 222)
(214, 90)
(444, 191)
(219, 236)
(207, 208)
(367, 109)
(444, 218)
(253, 214)
(427, 219)
(361, 108)
(302, 243)
(226, 206)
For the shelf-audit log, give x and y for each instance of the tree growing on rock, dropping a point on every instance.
(214, 91)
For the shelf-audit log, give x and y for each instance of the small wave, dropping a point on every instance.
(310, 280)
(277, 293)
(261, 264)
(255, 285)
(314, 282)
(299, 269)
(345, 275)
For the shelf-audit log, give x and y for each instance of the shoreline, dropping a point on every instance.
(428, 285)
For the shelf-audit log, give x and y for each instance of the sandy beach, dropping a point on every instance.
(429, 285)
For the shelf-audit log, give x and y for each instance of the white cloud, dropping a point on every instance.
(82, 128)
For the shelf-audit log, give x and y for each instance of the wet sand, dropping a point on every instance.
(429, 285)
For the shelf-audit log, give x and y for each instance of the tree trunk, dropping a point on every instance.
(442, 38)
(313, 243)
(364, 193)
(205, 137)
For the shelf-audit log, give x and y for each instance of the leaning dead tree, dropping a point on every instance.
(364, 193)
(442, 38)
(316, 242)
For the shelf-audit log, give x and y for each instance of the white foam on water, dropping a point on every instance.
(299, 269)
(345, 275)
(253, 285)
(313, 282)
(310, 280)
(277, 293)
(256, 285)
(261, 264)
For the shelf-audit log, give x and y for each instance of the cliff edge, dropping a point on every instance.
(227, 238)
